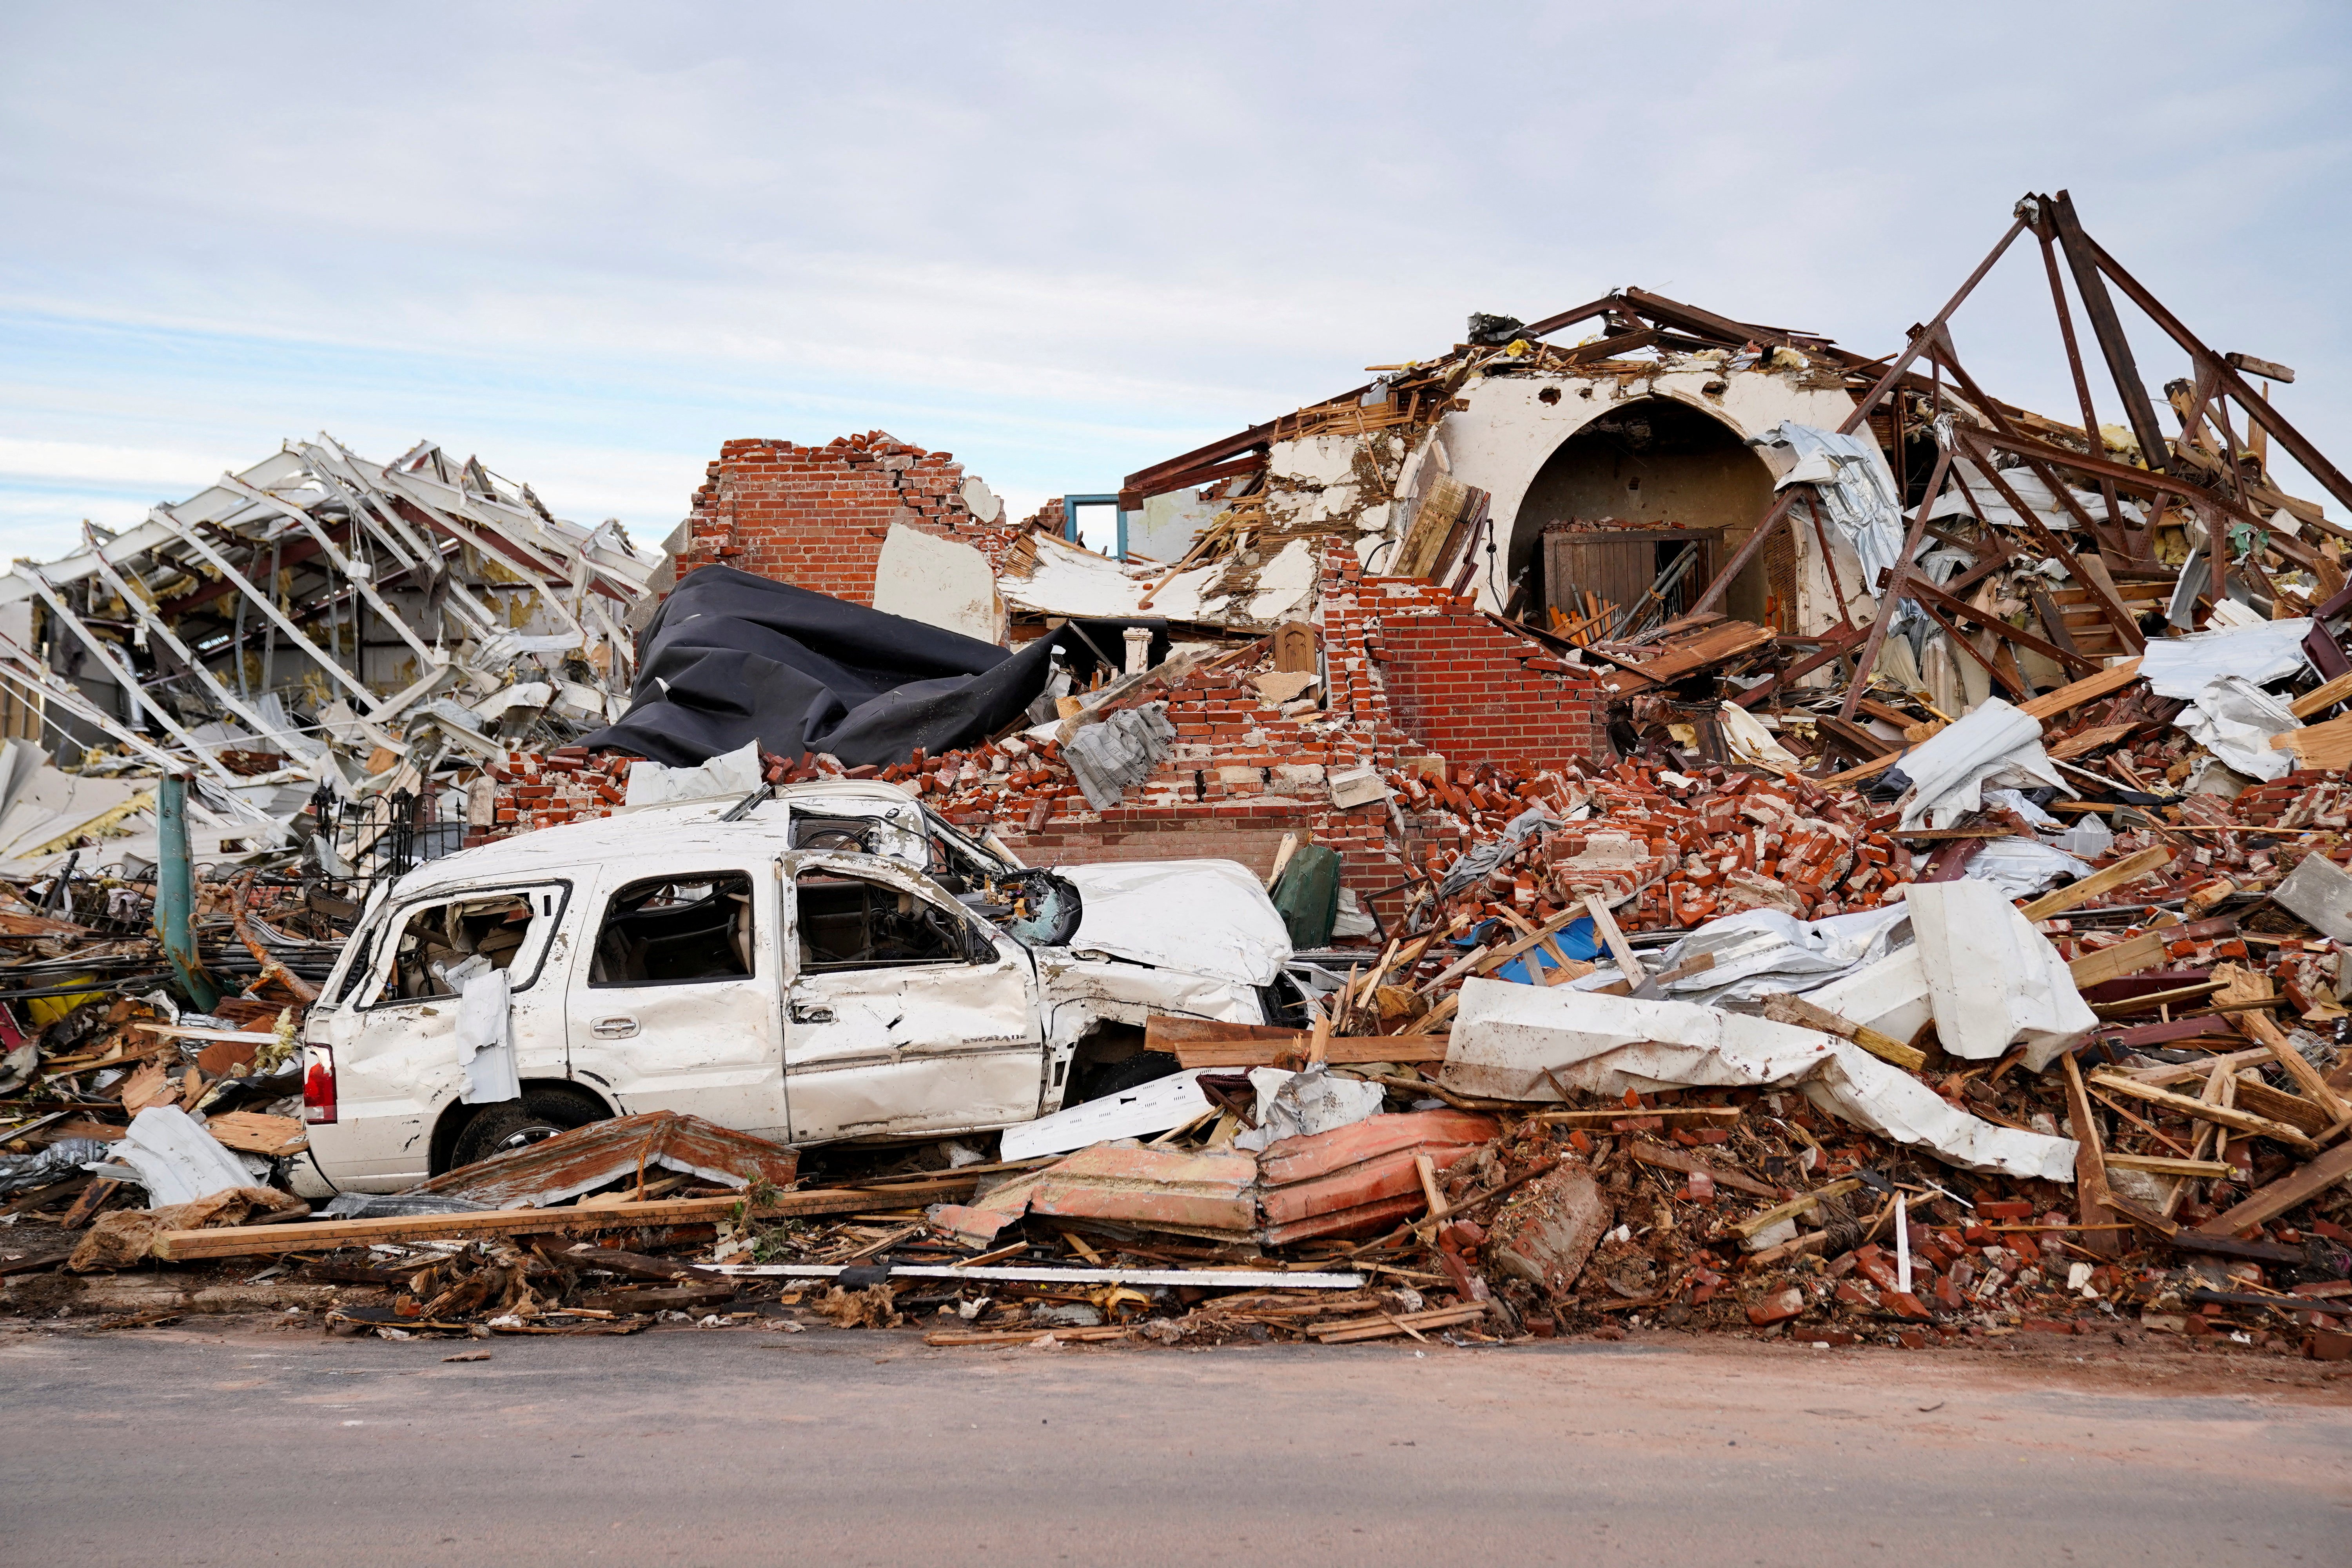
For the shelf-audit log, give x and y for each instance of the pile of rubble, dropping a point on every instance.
(1948, 945)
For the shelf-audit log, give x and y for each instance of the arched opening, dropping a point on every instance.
(1645, 471)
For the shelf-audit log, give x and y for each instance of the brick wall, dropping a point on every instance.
(1424, 661)
(1410, 670)
(816, 516)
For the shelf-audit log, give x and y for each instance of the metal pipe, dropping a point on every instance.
(175, 891)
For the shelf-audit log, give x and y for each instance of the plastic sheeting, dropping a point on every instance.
(733, 775)
(1475, 863)
(2234, 718)
(730, 657)
(1205, 916)
(2181, 666)
(1996, 744)
(1751, 742)
(1511, 1042)
(1300, 1104)
(54, 1163)
(1992, 979)
(485, 1040)
(1856, 488)
(2019, 867)
(177, 1161)
(1760, 952)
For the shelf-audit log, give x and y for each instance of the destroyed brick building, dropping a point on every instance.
(1763, 838)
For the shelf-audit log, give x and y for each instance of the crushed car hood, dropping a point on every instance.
(1210, 917)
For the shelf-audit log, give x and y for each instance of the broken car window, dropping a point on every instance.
(441, 946)
(848, 923)
(675, 930)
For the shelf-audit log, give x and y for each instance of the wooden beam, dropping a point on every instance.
(2083, 260)
(2220, 1115)
(2130, 869)
(2090, 1166)
(267, 1240)
(2305, 1182)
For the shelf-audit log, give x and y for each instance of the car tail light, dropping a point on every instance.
(318, 1085)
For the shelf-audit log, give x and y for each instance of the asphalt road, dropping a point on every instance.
(202, 1446)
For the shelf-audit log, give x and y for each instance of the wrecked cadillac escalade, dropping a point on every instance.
(813, 963)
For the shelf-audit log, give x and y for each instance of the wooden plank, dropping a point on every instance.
(257, 1134)
(2328, 746)
(2091, 1208)
(1618, 948)
(1721, 1115)
(1783, 1008)
(2220, 1115)
(2165, 1165)
(2297, 1187)
(2090, 688)
(1691, 1164)
(266, 1240)
(2245, 986)
(2129, 956)
(2324, 696)
(1794, 1206)
(2128, 869)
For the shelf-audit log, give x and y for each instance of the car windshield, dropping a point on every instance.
(982, 860)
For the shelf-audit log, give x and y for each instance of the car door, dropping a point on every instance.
(674, 1005)
(906, 1014)
(395, 1051)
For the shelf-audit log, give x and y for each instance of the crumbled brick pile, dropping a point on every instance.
(1689, 847)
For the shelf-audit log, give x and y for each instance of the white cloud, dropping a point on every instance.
(594, 241)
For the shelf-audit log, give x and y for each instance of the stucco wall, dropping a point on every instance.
(1507, 434)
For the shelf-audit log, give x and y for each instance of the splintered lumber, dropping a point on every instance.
(1690, 1165)
(2319, 746)
(1719, 1115)
(2245, 986)
(2220, 1115)
(2296, 1186)
(1029, 1336)
(323, 1235)
(1620, 949)
(2165, 1165)
(257, 1134)
(1348, 1331)
(1197, 1042)
(2091, 1206)
(1794, 1206)
(2130, 869)
(1784, 1008)
(2047, 706)
(2304, 1115)
(2322, 697)
(2090, 688)
(2129, 956)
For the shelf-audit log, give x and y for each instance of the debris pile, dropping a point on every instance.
(1913, 909)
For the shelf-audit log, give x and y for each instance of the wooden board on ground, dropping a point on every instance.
(1196, 1043)
(257, 1134)
(267, 1240)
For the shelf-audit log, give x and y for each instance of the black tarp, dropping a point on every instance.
(732, 658)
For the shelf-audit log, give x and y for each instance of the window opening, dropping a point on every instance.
(442, 946)
(846, 923)
(675, 930)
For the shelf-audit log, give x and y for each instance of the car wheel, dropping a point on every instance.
(539, 1114)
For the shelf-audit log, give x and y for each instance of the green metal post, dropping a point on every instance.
(175, 891)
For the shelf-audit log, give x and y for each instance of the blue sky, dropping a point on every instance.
(591, 242)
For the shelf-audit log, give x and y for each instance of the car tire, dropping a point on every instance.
(540, 1113)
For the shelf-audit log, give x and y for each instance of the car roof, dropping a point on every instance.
(687, 828)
